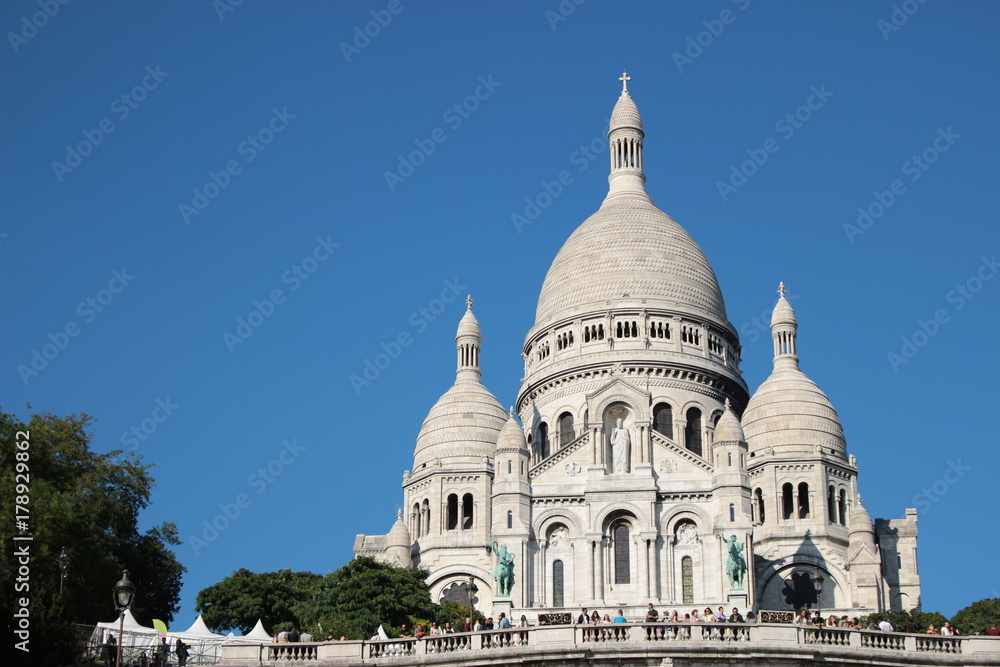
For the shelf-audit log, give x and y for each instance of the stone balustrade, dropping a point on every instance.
(758, 644)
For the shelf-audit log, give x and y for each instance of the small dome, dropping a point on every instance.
(861, 520)
(728, 429)
(861, 532)
(625, 114)
(783, 313)
(399, 534)
(511, 436)
(790, 410)
(463, 426)
(469, 325)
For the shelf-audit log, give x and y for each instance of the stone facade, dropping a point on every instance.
(625, 473)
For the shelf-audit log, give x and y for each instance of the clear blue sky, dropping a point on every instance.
(308, 129)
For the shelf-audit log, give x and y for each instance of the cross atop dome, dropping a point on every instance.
(468, 302)
(624, 78)
(781, 288)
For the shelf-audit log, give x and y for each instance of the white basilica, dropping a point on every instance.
(636, 467)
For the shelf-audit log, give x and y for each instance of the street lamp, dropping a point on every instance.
(817, 583)
(63, 566)
(124, 590)
(473, 589)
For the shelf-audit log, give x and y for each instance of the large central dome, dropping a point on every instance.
(629, 250)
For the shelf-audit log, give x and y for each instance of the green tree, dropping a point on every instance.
(364, 594)
(901, 621)
(88, 503)
(236, 602)
(977, 617)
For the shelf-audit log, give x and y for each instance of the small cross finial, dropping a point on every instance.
(468, 302)
(728, 405)
(781, 289)
(511, 412)
(624, 78)
(399, 514)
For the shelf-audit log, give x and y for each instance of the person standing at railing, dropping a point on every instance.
(652, 616)
(993, 631)
(504, 622)
(720, 616)
(736, 617)
(522, 637)
(948, 630)
(886, 626)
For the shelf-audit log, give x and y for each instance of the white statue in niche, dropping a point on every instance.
(621, 443)
(557, 540)
(687, 535)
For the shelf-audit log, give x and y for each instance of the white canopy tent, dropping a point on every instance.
(204, 646)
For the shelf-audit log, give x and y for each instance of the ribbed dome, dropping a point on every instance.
(468, 325)
(463, 425)
(511, 436)
(399, 535)
(789, 409)
(630, 249)
(861, 531)
(783, 313)
(728, 429)
(625, 114)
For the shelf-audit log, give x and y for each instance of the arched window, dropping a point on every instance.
(467, 511)
(558, 600)
(663, 420)
(620, 535)
(732, 512)
(452, 512)
(843, 507)
(415, 528)
(760, 505)
(427, 516)
(803, 501)
(543, 440)
(687, 580)
(787, 508)
(692, 432)
(510, 519)
(565, 429)
(831, 504)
